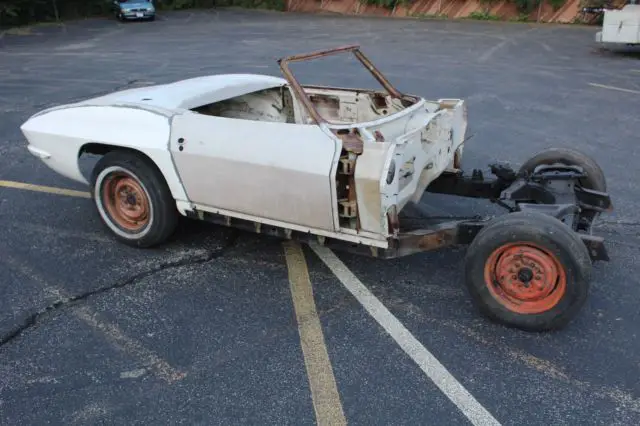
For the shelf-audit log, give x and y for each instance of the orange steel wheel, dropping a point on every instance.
(525, 278)
(126, 202)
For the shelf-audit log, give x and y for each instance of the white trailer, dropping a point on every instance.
(621, 26)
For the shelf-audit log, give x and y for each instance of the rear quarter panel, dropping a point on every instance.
(62, 132)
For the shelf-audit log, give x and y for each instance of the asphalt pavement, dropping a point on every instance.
(203, 330)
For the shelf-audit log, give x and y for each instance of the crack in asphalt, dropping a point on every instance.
(31, 320)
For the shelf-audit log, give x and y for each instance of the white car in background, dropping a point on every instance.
(127, 10)
(337, 166)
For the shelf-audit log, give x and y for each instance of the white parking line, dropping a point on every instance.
(619, 89)
(470, 407)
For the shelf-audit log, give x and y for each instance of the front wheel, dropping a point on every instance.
(133, 199)
(528, 270)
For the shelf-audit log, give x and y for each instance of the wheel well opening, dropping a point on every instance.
(90, 153)
(96, 149)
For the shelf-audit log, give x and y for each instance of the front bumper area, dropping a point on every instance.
(138, 14)
(37, 152)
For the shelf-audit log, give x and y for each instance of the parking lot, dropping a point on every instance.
(218, 327)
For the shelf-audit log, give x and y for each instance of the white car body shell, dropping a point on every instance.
(270, 172)
(621, 26)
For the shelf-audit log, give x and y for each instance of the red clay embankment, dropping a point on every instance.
(506, 10)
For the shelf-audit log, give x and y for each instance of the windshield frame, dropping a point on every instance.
(303, 97)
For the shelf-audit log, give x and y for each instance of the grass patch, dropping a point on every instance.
(483, 16)
(429, 15)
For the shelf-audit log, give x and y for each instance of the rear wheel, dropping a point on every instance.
(528, 270)
(133, 199)
(595, 179)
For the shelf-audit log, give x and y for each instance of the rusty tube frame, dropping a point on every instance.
(299, 91)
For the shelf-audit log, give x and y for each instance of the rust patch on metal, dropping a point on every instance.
(347, 166)
(379, 101)
(376, 73)
(351, 140)
(443, 235)
(435, 240)
(346, 190)
(525, 278)
(352, 200)
(456, 159)
(393, 220)
(126, 202)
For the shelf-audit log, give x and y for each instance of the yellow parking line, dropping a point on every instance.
(619, 89)
(47, 189)
(324, 391)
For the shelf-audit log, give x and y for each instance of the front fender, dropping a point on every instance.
(57, 136)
